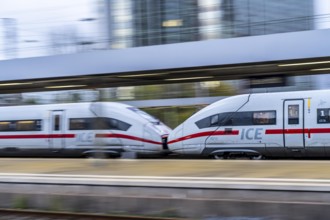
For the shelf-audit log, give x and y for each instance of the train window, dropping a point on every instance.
(78, 124)
(293, 113)
(56, 123)
(212, 121)
(251, 118)
(240, 119)
(264, 118)
(115, 124)
(28, 125)
(109, 124)
(20, 125)
(25, 125)
(323, 115)
(203, 123)
(5, 126)
(100, 123)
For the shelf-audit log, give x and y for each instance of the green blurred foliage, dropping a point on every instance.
(174, 115)
(223, 90)
(184, 90)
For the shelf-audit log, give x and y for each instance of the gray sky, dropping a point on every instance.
(37, 10)
(322, 8)
(36, 18)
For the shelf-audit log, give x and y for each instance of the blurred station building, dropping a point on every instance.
(164, 24)
(133, 23)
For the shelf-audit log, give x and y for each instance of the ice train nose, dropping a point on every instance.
(174, 142)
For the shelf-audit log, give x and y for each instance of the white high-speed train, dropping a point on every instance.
(79, 129)
(285, 124)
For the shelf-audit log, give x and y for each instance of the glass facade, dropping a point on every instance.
(152, 22)
(259, 17)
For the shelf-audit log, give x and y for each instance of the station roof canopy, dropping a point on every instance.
(296, 53)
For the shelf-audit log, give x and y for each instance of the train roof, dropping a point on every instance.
(293, 94)
(70, 105)
(262, 96)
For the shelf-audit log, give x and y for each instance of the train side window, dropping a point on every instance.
(323, 115)
(28, 125)
(21, 125)
(6, 126)
(293, 114)
(264, 118)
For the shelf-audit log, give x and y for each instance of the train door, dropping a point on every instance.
(294, 137)
(57, 141)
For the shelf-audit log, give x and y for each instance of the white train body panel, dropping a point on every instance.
(79, 129)
(288, 124)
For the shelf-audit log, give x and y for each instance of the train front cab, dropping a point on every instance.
(199, 134)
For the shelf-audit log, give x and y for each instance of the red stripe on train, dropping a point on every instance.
(284, 131)
(32, 136)
(268, 131)
(126, 137)
(39, 136)
(298, 131)
(206, 133)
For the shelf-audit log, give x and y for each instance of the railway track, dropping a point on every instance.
(6, 214)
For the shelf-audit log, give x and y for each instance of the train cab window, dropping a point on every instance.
(251, 118)
(103, 123)
(203, 123)
(100, 123)
(78, 124)
(212, 121)
(239, 119)
(293, 114)
(323, 115)
(116, 124)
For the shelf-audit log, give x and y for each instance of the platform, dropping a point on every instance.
(304, 169)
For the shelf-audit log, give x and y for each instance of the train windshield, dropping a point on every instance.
(145, 115)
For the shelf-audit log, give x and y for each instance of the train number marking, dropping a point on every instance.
(252, 133)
